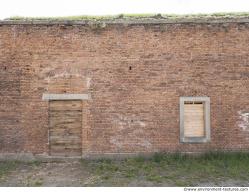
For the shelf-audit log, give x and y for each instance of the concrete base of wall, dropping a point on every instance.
(116, 156)
(28, 157)
(17, 156)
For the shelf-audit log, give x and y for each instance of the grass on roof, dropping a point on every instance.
(138, 16)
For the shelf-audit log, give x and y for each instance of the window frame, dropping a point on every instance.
(206, 138)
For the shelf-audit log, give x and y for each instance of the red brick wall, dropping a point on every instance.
(133, 110)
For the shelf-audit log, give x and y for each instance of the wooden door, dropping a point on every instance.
(65, 127)
(194, 120)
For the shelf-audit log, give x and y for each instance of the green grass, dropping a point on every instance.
(136, 16)
(34, 163)
(176, 169)
(6, 167)
(35, 183)
(157, 170)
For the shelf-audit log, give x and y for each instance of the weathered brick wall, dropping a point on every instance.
(135, 75)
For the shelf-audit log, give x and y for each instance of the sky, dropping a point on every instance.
(50, 8)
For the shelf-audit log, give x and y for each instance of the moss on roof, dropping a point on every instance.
(135, 16)
(126, 19)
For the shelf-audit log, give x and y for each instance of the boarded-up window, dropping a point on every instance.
(194, 119)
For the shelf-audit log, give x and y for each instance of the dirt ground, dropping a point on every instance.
(47, 174)
(75, 173)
